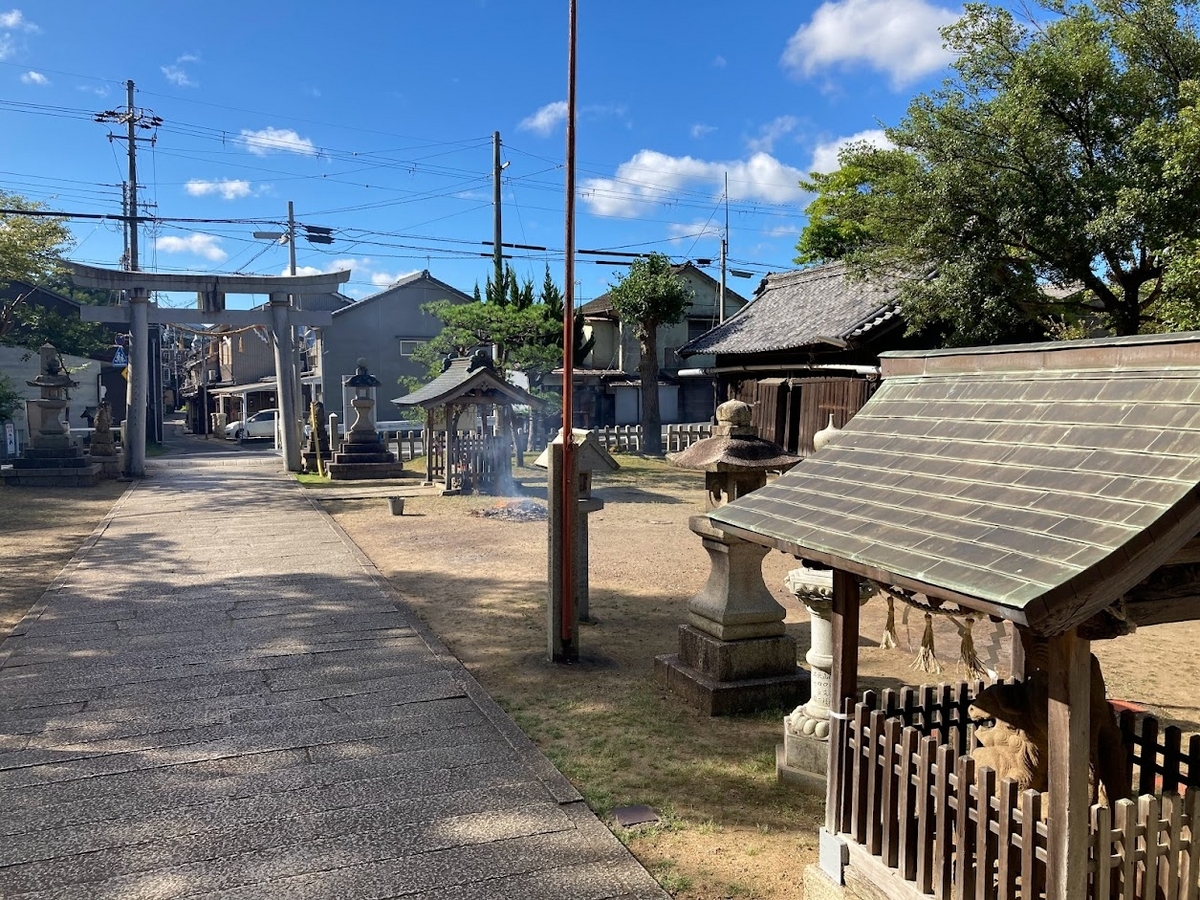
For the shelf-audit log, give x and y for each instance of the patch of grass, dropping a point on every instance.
(154, 448)
(313, 480)
(671, 880)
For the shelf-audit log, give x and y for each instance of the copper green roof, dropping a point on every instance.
(1039, 482)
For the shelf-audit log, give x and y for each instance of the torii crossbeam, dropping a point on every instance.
(279, 317)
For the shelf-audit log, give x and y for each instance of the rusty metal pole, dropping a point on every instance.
(568, 381)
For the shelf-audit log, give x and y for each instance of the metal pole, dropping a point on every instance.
(497, 247)
(568, 380)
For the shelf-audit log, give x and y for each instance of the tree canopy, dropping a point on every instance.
(646, 297)
(1055, 177)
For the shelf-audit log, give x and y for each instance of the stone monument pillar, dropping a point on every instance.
(101, 450)
(733, 653)
(590, 457)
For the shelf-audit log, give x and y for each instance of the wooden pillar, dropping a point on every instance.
(1069, 739)
(843, 686)
(451, 434)
(427, 443)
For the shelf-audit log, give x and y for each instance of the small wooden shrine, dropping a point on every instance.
(473, 458)
(1056, 486)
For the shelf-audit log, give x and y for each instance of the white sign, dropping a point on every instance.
(10, 438)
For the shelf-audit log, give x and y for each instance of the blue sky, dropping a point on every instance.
(376, 119)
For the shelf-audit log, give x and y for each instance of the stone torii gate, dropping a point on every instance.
(137, 312)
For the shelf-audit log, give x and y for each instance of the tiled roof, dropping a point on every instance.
(460, 383)
(809, 307)
(1040, 482)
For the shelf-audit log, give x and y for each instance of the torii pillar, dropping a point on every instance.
(279, 317)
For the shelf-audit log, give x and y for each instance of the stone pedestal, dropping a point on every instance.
(50, 459)
(102, 451)
(803, 757)
(734, 656)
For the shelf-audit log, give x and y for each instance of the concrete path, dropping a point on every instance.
(220, 697)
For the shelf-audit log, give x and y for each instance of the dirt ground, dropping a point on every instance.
(40, 530)
(728, 828)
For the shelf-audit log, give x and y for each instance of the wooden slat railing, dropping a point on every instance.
(911, 795)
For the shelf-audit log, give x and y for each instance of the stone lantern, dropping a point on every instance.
(364, 454)
(53, 384)
(734, 655)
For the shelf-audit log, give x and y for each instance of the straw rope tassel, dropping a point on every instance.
(888, 641)
(970, 659)
(927, 660)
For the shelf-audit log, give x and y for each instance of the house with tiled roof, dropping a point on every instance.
(385, 329)
(805, 348)
(607, 385)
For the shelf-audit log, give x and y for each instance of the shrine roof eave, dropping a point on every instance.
(1039, 483)
(480, 386)
(198, 282)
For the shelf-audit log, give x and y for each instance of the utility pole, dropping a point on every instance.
(297, 348)
(497, 249)
(724, 248)
(137, 392)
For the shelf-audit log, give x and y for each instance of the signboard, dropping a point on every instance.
(10, 438)
(119, 358)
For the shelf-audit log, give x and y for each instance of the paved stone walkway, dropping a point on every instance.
(220, 697)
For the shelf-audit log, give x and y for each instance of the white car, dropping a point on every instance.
(259, 425)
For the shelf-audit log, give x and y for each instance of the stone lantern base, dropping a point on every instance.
(723, 678)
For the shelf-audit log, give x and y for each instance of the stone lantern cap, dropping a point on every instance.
(363, 378)
(590, 454)
(51, 373)
(734, 446)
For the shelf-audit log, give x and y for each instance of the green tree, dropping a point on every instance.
(10, 401)
(1062, 160)
(646, 297)
(31, 250)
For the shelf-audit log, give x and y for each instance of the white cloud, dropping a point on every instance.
(825, 155)
(227, 188)
(37, 78)
(100, 90)
(545, 119)
(177, 74)
(699, 130)
(719, 62)
(653, 178)
(899, 37)
(696, 229)
(270, 140)
(387, 279)
(771, 132)
(13, 21)
(205, 245)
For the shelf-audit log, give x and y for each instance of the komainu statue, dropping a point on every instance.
(1011, 727)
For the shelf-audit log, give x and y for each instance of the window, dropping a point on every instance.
(697, 327)
(408, 348)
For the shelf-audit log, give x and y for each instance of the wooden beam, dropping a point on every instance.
(843, 686)
(1069, 739)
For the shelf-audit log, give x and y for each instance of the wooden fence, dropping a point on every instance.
(628, 438)
(479, 462)
(911, 795)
